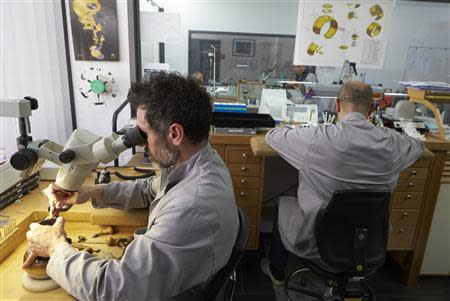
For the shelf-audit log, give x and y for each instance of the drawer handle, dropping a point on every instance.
(401, 230)
(245, 156)
(413, 173)
(244, 169)
(243, 182)
(408, 197)
(411, 184)
(405, 214)
(244, 194)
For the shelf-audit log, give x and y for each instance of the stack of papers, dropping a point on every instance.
(435, 86)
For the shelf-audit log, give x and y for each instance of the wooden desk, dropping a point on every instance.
(407, 251)
(81, 220)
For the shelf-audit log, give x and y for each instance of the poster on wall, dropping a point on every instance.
(94, 30)
(330, 32)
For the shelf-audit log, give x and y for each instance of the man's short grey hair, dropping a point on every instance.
(358, 94)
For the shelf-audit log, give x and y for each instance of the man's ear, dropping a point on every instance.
(338, 105)
(175, 134)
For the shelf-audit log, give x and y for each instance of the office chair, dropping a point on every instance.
(351, 235)
(216, 288)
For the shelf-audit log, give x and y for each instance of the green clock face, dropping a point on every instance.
(97, 86)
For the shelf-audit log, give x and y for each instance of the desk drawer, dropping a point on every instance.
(414, 173)
(404, 217)
(241, 156)
(401, 238)
(423, 161)
(243, 169)
(252, 213)
(410, 185)
(246, 197)
(407, 200)
(245, 182)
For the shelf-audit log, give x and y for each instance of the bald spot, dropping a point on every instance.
(357, 95)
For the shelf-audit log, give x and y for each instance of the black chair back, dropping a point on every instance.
(217, 285)
(352, 231)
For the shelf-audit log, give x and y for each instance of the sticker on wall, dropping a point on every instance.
(94, 30)
(97, 85)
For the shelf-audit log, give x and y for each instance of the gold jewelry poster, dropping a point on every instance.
(330, 32)
(94, 30)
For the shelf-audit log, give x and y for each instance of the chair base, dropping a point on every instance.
(306, 282)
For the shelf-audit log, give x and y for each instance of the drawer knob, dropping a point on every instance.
(244, 169)
(413, 173)
(245, 156)
(402, 230)
(243, 194)
(405, 214)
(408, 197)
(243, 181)
(411, 184)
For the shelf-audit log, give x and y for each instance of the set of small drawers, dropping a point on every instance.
(245, 171)
(406, 204)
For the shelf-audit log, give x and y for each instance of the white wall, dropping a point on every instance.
(33, 63)
(436, 260)
(98, 118)
(413, 24)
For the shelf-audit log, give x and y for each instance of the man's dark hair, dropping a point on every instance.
(171, 98)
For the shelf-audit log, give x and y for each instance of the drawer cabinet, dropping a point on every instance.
(245, 170)
(406, 204)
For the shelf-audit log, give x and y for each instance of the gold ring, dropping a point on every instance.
(343, 47)
(321, 21)
(312, 48)
(373, 29)
(327, 5)
(376, 11)
(327, 11)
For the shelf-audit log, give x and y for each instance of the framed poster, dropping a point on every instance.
(94, 30)
(243, 47)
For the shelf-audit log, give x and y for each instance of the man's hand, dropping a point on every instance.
(58, 198)
(43, 240)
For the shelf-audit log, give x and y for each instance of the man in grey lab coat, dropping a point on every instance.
(193, 221)
(353, 154)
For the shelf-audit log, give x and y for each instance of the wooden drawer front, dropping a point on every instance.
(245, 182)
(423, 161)
(404, 217)
(252, 213)
(410, 185)
(252, 239)
(220, 149)
(246, 197)
(414, 173)
(407, 200)
(401, 238)
(241, 156)
(252, 170)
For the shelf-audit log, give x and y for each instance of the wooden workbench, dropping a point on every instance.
(411, 257)
(80, 220)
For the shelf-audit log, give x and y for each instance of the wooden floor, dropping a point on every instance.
(254, 285)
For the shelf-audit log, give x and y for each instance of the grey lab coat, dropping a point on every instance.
(353, 154)
(191, 230)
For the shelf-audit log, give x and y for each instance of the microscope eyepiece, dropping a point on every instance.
(134, 136)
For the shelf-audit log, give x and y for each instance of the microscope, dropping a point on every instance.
(80, 155)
